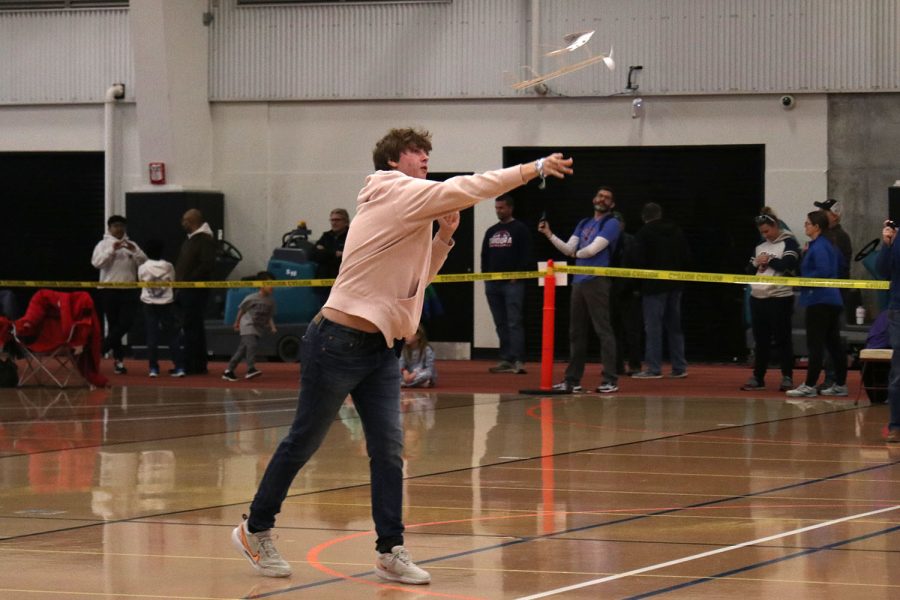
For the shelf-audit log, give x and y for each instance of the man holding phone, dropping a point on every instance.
(889, 266)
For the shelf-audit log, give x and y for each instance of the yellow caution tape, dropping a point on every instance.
(463, 277)
(724, 278)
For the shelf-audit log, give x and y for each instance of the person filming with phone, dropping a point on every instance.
(888, 265)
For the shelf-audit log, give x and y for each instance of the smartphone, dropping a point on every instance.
(543, 216)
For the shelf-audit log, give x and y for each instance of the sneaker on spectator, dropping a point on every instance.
(119, 368)
(565, 386)
(397, 565)
(803, 391)
(678, 374)
(519, 368)
(259, 549)
(835, 390)
(787, 383)
(646, 375)
(504, 366)
(607, 387)
(893, 436)
(251, 373)
(229, 375)
(177, 373)
(824, 385)
(754, 384)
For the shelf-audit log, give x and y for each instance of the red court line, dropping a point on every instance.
(312, 557)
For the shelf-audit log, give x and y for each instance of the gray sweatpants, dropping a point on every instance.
(590, 310)
(246, 349)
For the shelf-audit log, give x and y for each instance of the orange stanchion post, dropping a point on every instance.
(549, 320)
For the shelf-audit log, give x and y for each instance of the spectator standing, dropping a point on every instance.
(417, 361)
(841, 240)
(507, 248)
(256, 315)
(591, 244)
(823, 311)
(772, 306)
(836, 234)
(118, 259)
(661, 245)
(625, 300)
(159, 309)
(390, 256)
(196, 262)
(329, 248)
(889, 266)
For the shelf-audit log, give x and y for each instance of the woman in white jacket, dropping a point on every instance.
(772, 306)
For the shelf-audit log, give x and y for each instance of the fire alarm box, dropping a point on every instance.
(157, 173)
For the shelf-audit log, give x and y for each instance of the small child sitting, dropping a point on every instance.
(417, 361)
(256, 313)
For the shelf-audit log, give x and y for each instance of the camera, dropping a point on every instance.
(890, 224)
(787, 102)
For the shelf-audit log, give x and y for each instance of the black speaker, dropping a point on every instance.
(157, 215)
(893, 204)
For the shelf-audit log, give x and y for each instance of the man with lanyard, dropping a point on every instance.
(591, 244)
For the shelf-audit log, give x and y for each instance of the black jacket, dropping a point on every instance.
(197, 258)
(329, 263)
(661, 245)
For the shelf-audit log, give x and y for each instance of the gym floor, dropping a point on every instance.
(676, 488)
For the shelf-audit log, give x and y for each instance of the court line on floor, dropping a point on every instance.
(765, 563)
(357, 577)
(706, 554)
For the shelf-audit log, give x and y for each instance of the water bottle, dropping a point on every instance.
(860, 315)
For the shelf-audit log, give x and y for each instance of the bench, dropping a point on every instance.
(874, 366)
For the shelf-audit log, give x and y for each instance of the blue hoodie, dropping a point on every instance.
(888, 265)
(820, 261)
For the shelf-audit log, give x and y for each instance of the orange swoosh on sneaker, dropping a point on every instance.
(255, 557)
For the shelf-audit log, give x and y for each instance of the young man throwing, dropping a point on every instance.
(389, 258)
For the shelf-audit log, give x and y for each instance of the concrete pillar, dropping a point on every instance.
(171, 51)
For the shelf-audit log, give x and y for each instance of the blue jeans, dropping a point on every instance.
(506, 299)
(894, 377)
(338, 361)
(663, 311)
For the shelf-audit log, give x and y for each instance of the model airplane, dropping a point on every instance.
(574, 41)
(577, 40)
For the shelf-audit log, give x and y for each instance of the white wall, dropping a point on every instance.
(281, 162)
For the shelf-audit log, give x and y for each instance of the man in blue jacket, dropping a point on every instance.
(889, 266)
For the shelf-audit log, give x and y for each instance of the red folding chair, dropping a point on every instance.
(59, 339)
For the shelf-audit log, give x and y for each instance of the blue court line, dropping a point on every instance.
(764, 563)
(595, 526)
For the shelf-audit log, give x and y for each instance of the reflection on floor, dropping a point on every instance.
(131, 492)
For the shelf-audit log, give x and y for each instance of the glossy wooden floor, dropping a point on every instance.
(132, 492)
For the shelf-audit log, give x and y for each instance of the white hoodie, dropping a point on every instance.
(117, 265)
(157, 270)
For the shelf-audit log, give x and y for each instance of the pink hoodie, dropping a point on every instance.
(390, 257)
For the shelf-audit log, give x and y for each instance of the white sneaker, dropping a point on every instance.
(397, 565)
(260, 550)
(835, 390)
(565, 386)
(803, 391)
